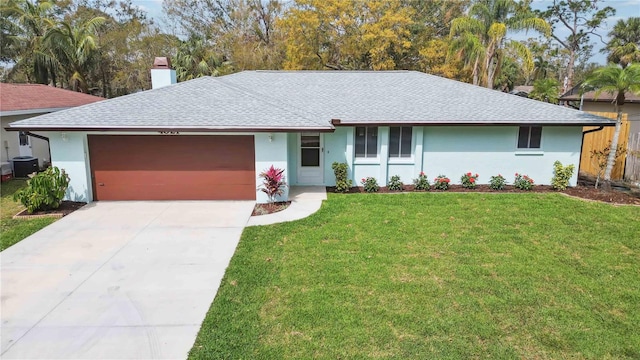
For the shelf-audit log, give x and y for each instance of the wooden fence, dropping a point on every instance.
(632, 171)
(599, 140)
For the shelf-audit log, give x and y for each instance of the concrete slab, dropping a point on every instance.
(305, 200)
(101, 284)
(110, 342)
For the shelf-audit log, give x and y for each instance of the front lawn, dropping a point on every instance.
(442, 276)
(12, 231)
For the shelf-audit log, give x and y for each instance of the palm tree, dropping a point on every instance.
(486, 26)
(547, 90)
(540, 68)
(74, 47)
(29, 22)
(616, 81)
(196, 58)
(624, 47)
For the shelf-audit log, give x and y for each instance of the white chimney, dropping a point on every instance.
(161, 73)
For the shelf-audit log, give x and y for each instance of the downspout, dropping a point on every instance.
(48, 143)
(582, 143)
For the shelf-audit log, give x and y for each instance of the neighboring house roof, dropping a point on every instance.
(525, 88)
(306, 100)
(603, 97)
(17, 99)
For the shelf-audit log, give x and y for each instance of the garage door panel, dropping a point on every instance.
(160, 192)
(126, 167)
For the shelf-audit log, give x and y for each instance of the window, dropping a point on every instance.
(23, 138)
(400, 142)
(529, 137)
(310, 149)
(366, 142)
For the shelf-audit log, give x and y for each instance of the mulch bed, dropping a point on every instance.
(66, 208)
(266, 209)
(581, 191)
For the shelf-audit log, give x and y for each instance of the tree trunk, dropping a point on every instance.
(488, 71)
(570, 67)
(476, 80)
(606, 184)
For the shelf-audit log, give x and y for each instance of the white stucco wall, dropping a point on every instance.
(450, 151)
(69, 152)
(486, 150)
(271, 149)
(39, 147)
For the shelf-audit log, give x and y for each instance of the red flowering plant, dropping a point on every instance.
(523, 182)
(421, 183)
(469, 180)
(441, 182)
(273, 183)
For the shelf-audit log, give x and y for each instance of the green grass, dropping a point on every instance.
(12, 231)
(442, 276)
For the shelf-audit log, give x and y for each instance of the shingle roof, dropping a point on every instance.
(16, 97)
(284, 100)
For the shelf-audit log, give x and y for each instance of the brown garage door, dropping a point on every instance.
(181, 167)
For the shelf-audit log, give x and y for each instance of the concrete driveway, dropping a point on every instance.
(117, 280)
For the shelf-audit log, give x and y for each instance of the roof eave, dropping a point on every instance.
(338, 122)
(571, 98)
(13, 127)
(32, 111)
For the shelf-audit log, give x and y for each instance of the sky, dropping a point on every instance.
(624, 9)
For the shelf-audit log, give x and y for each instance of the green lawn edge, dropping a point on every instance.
(12, 230)
(433, 276)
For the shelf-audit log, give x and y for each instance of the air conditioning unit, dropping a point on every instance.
(24, 165)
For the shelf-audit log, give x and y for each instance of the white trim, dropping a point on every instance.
(315, 180)
(523, 152)
(401, 161)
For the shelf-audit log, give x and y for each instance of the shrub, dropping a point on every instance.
(395, 184)
(421, 183)
(342, 183)
(599, 159)
(497, 182)
(523, 182)
(370, 184)
(273, 183)
(561, 175)
(468, 180)
(441, 182)
(44, 191)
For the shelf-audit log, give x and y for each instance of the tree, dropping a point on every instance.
(547, 90)
(348, 34)
(195, 59)
(616, 81)
(428, 35)
(483, 35)
(73, 46)
(624, 46)
(581, 18)
(25, 24)
(243, 32)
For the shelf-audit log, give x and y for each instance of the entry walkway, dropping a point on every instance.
(305, 200)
